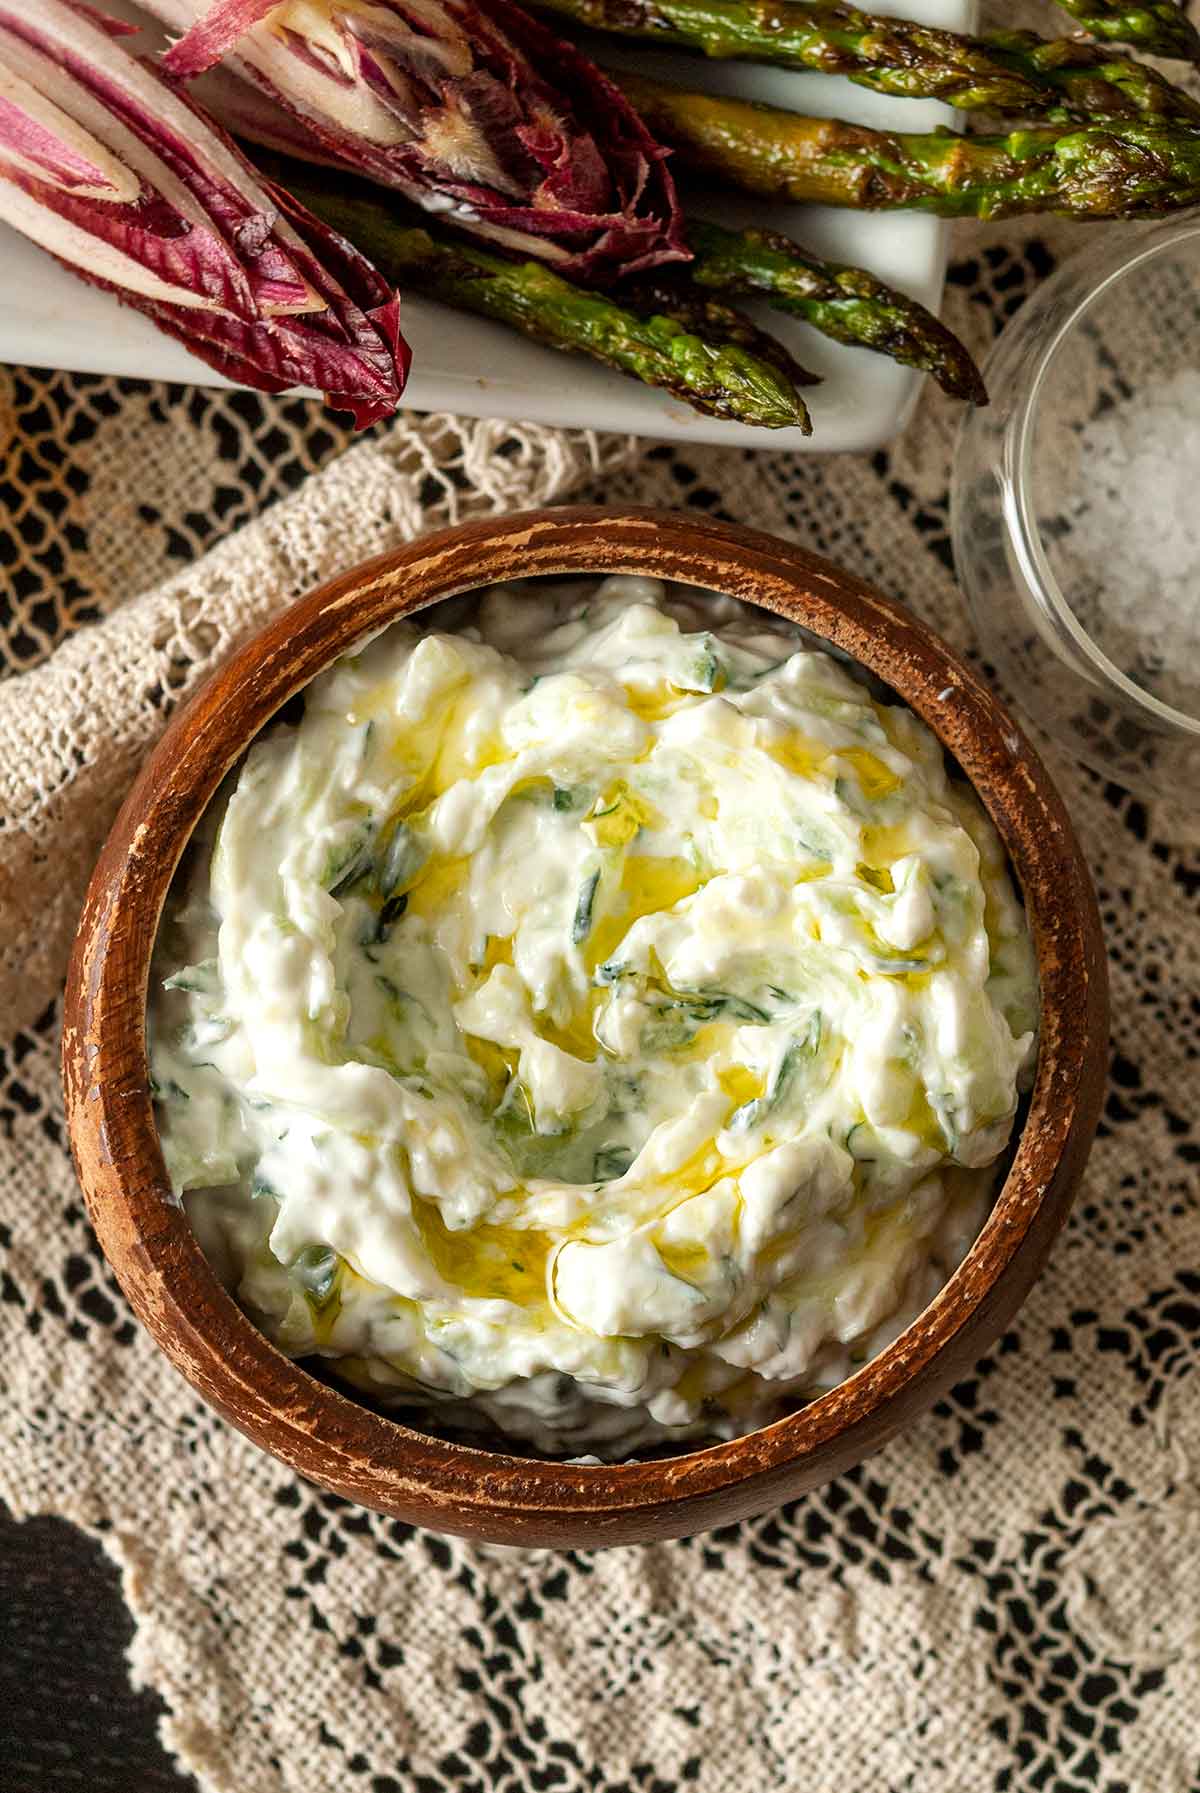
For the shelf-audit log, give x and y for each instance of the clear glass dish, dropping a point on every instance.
(1075, 508)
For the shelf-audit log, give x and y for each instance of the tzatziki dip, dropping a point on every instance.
(598, 1017)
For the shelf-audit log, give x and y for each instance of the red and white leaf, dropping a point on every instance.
(214, 34)
(468, 107)
(131, 185)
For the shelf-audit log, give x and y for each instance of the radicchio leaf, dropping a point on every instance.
(470, 108)
(136, 190)
(211, 37)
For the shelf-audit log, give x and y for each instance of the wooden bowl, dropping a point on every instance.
(364, 1455)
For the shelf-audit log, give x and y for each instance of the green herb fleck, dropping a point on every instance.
(391, 912)
(170, 1091)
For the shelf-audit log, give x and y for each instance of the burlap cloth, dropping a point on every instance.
(1008, 1598)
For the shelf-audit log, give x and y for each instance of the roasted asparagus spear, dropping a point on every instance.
(1157, 26)
(1011, 72)
(1127, 168)
(699, 350)
(846, 303)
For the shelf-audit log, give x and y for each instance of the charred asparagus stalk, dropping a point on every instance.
(1157, 26)
(1123, 169)
(845, 303)
(1015, 72)
(699, 350)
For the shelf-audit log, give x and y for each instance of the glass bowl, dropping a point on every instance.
(1075, 508)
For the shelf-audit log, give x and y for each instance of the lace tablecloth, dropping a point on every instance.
(1008, 1598)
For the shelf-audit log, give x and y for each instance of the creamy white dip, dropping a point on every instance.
(599, 1021)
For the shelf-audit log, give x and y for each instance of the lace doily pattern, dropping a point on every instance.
(1007, 1599)
(75, 725)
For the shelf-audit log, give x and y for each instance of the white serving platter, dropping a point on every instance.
(460, 363)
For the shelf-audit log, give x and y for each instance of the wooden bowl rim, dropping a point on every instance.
(325, 1434)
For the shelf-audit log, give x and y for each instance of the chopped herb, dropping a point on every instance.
(379, 929)
(391, 912)
(581, 926)
(814, 849)
(168, 1091)
(612, 971)
(702, 1006)
(858, 1138)
(569, 797)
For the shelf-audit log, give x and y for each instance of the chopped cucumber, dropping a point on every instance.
(317, 1269)
(706, 672)
(168, 1091)
(611, 1162)
(701, 1006)
(402, 859)
(348, 863)
(202, 979)
(943, 1110)
(897, 967)
(800, 1047)
(581, 926)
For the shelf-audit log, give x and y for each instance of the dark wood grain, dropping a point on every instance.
(367, 1456)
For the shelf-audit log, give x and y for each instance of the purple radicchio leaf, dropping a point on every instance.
(212, 36)
(136, 190)
(471, 108)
